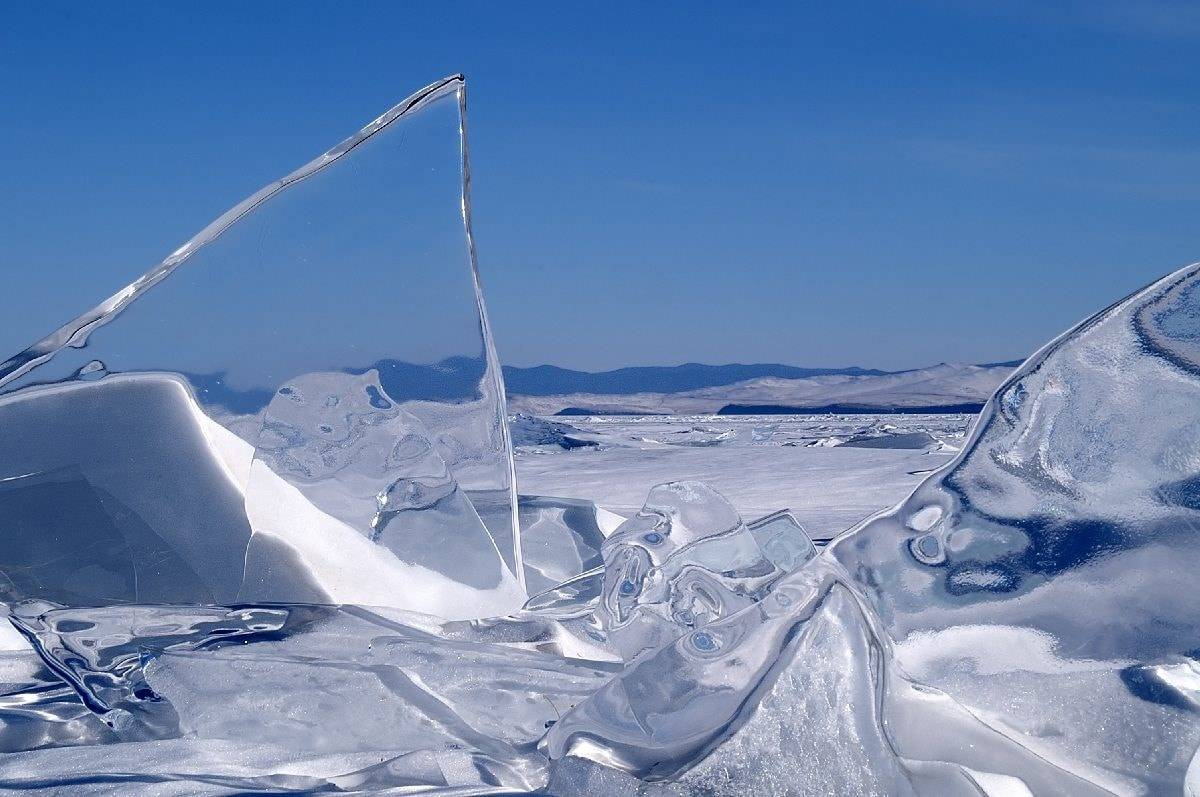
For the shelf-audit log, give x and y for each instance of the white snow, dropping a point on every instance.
(762, 463)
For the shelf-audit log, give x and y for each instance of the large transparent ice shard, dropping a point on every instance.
(1045, 579)
(301, 404)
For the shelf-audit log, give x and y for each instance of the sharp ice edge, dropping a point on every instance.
(293, 461)
(75, 332)
(495, 375)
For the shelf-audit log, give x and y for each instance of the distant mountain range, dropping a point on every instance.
(550, 380)
(763, 388)
(766, 388)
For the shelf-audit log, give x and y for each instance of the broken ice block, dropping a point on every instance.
(684, 561)
(301, 404)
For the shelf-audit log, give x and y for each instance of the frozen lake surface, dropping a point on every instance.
(815, 465)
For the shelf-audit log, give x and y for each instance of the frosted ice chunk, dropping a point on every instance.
(301, 404)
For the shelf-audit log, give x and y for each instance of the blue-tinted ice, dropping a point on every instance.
(301, 404)
(258, 533)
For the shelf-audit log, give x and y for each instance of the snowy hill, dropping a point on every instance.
(550, 380)
(944, 387)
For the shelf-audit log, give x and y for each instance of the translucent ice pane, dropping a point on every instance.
(302, 403)
(782, 539)
(561, 538)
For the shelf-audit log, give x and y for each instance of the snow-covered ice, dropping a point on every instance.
(937, 386)
(763, 464)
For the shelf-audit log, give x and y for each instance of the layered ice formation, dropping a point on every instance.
(259, 533)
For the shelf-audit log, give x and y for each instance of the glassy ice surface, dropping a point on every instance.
(301, 404)
(685, 561)
(561, 538)
(257, 535)
(1043, 580)
(782, 540)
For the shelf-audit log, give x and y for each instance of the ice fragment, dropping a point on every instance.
(301, 404)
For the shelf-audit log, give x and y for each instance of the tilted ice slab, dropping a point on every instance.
(301, 404)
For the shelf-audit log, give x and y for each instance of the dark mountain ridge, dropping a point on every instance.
(550, 380)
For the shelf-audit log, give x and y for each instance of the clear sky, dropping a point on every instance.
(857, 183)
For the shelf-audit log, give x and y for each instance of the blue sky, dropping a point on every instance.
(878, 184)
